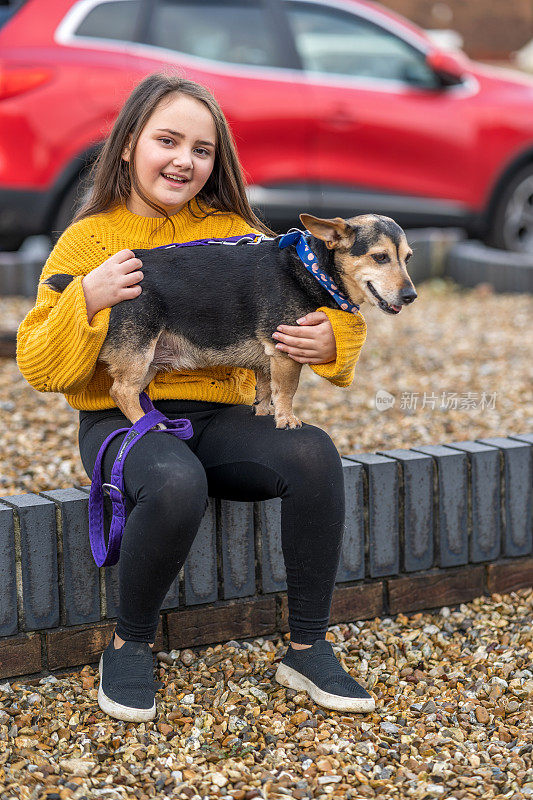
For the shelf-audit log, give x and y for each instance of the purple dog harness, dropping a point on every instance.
(182, 428)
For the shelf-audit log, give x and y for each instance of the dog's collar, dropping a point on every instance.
(310, 261)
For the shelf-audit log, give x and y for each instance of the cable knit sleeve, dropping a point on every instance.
(57, 348)
(350, 334)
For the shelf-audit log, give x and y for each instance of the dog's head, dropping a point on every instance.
(371, 252)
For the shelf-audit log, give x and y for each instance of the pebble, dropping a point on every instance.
(325, 779)
(166, 658)
(259, 693)
(389, 727)
(77, 766)
(187, 657)
(482, 715)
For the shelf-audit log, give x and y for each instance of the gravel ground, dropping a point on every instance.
(453, 689)
(456, 365)
(453, 719)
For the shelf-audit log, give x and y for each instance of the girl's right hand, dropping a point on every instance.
(113, 281)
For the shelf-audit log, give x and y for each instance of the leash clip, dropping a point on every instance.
(111, 486)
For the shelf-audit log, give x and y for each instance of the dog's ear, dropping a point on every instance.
(334, 232)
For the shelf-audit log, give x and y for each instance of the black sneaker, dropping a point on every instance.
(317, 670)
(127, 687)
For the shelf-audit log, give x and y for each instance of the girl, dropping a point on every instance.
(169, 172)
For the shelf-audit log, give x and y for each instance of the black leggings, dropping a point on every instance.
(232, 455)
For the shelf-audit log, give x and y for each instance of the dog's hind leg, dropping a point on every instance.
(285, 374)
(263, 397)
(131, 371)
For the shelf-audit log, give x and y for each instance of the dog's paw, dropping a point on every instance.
(286, 421)
(262, 409)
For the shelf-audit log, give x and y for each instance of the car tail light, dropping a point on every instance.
(19, 79)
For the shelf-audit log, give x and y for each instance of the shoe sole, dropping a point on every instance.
(117, 710)
(292, 679)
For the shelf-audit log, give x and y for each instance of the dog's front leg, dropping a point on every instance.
(263, 398)
(285, 374)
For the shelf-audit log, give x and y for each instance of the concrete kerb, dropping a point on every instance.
(426, 526)
(470, 263)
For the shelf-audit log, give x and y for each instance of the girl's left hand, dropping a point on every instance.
(314, 344)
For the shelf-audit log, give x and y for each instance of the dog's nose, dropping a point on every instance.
(408, 295)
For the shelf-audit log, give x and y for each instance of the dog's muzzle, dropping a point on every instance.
(407, 295)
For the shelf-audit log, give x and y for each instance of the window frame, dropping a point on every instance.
(379, 21)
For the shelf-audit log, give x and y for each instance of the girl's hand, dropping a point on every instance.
(113, 281)
(314, 344)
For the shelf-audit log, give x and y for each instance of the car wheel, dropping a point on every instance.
(10, 242)
(72, 200)
(511, 226)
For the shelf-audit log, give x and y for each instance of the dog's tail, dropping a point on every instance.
(58, 282)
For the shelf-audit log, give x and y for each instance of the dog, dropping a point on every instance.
(201, 306)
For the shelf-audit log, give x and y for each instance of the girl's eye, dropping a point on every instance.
(202, 151)
(166, 139)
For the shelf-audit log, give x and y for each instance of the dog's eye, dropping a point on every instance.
(380, 258)
(407, 257)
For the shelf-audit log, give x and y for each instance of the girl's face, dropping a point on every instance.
(174, 156)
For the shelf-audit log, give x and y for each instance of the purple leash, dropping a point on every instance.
(181, 428)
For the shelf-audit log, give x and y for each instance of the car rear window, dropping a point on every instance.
(232, 31)
(111, 19)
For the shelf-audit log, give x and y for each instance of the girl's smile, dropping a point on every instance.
(174, 156)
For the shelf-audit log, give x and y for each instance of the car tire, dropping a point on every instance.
(10, 242)
(511, 224)
(471, 262)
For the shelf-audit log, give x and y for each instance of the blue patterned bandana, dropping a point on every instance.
(310, 261)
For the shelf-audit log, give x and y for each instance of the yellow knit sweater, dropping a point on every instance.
(57, 347)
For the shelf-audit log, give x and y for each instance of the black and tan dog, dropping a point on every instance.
(202, 306)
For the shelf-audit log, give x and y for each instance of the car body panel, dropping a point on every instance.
(306, 140)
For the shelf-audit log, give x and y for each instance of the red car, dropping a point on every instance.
(338, 107)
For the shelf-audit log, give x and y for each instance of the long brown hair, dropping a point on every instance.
(111, 178)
